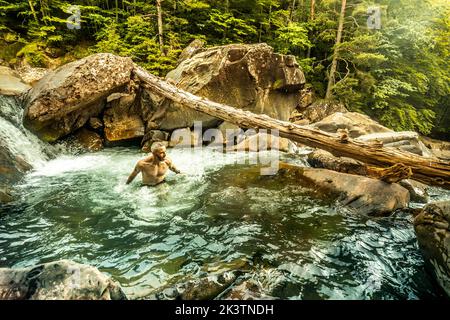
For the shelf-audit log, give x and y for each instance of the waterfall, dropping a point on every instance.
(17, 139)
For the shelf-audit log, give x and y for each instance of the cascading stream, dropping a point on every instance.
(17, 139)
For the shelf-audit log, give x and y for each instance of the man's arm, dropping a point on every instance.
(172, 167)
(135, 172)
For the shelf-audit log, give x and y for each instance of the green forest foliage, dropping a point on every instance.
(399, 74)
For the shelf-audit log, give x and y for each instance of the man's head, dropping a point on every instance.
(159, 151)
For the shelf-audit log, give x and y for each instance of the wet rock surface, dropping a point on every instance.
(361, 194)
(60, 280)
(66, 98)
(432, 228)
(250, 77)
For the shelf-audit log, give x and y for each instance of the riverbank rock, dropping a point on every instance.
(405, 140)
(321, 109)
(439, 148)
(361, 194)
(193, 48)
(432, 228)
(122, 118)
(357, 124)
(249, 77)
(418, 191)
(60, 280)
(263, 142)
(89, 140)
(66, 98)
(29, 74)
(185, 138)
(10, 82)
(153, 136)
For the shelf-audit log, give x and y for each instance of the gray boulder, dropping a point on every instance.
(357, 124)
(432, 228)
(60, 280)
(66, 98)
(249, 77)
(361, 194)
(321, 109)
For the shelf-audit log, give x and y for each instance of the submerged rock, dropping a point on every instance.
(66, 98)
(432, 228)
(325, 160)
(60, 280)
(250, 77)
(205, 288)
(361, 194)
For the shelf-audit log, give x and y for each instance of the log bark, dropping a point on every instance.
(427, 170)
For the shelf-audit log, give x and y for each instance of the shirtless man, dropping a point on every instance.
(154, 167)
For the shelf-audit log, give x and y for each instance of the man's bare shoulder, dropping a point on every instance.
(145, 161)
(168, 161)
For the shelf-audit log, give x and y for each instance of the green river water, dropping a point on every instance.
(215, 218)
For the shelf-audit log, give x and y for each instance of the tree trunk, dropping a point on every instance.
(117, 11)
(336, 49)
(291, 15)
(160, 27)
(311, 18)
(428, 170)
(33, 12)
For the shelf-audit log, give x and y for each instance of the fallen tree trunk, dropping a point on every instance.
(427, 170)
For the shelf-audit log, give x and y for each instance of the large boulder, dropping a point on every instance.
(66, 98)
(361, 194)
(321, 109)
(363, 128)
(249, 77)
(88, 140)
(10, 83)
(61, 280)
(405, 140)
(122, 118)
(357, 124)
(440, 149)
(432, 228)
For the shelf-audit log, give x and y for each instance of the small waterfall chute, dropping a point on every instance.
(16, 139)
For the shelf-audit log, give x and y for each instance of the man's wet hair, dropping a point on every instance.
(157, 145)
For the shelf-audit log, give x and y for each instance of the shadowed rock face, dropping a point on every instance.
(250, 77)
(61, 280)
(65, 99)
(432, 227)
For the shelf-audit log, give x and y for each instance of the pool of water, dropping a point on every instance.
(214, 218)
